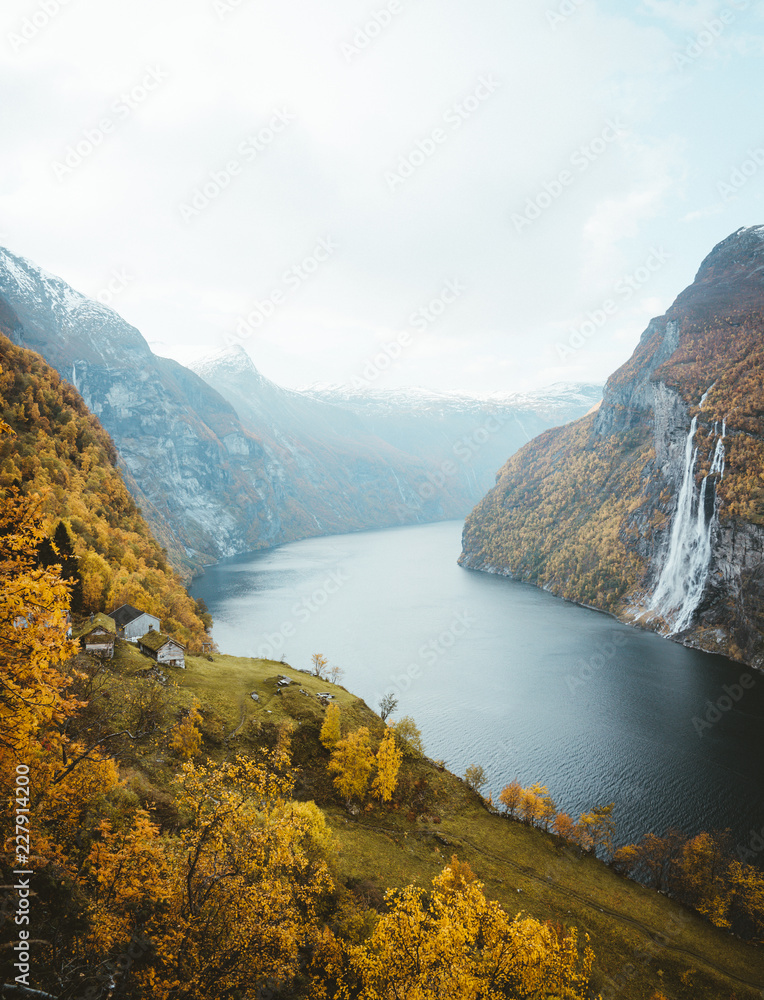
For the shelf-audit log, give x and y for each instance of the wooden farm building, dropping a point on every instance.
(132, 623)
(97, 635)
(163, 649)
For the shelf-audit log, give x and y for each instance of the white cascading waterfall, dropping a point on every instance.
(685, 570)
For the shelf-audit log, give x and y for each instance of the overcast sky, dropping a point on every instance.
(485, 196)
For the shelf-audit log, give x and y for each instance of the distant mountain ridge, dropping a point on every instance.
(222, 461)
(652, 508)
(461, 439)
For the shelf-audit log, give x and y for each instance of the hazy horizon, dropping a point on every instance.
(483, 204)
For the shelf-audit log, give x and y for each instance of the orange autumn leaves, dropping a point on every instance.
(60, 451)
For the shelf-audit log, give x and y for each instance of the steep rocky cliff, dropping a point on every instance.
(181, 445)
(653, 507)
(454, 441)
(249, 466)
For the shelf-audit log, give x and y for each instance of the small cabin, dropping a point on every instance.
(97, 636)
(132, 623)
(163, 649)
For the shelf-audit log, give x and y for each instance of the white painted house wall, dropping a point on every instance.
(172, 653)
(140, 626)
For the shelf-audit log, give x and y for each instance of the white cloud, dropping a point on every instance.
(325, 173)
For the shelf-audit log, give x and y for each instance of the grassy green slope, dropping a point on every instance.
(643, 941)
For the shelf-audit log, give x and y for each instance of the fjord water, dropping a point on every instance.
(502, 674)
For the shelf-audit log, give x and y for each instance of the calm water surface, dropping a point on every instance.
(501, 674)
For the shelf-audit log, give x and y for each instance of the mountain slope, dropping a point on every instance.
(181, 444)
(457, 442)
(209, 486)
(59, 451)
(467, 437)
(223, 461)
(329, 456)
(652, 508)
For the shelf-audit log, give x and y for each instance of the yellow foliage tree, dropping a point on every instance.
(410, 736)
(352, 761)
(597, 828)
(186, 740)
(59, 450)
(702, 871)
(747, 883)
(128, 874)
(33, 609)
(510, 797)
(457, 945)
(389, 758)
(331, 732)
(248, 878)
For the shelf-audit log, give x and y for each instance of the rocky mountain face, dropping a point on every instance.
(468, 437)
(457, 442)
(652, 508)
(223, 461)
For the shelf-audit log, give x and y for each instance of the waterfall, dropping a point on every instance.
(685, 571)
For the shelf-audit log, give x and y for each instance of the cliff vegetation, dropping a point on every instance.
(59, 451)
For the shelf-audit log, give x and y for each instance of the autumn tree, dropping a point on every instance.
(250, 876)
(320, 664)
(454, 944)
(331, 732)
(387, 705)
(34, 603)
(476, 778)
(532, 803)
(410, 737)
(598, 828)
(653, 860)
(389, 759)
(186, 739)
(701, 877)
(510, 797)
(747, 885)
(564, 826)
(336, 673)
(352, 762)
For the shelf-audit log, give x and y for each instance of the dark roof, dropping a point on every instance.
(126, 614)
(97, 621)
(155, 640)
